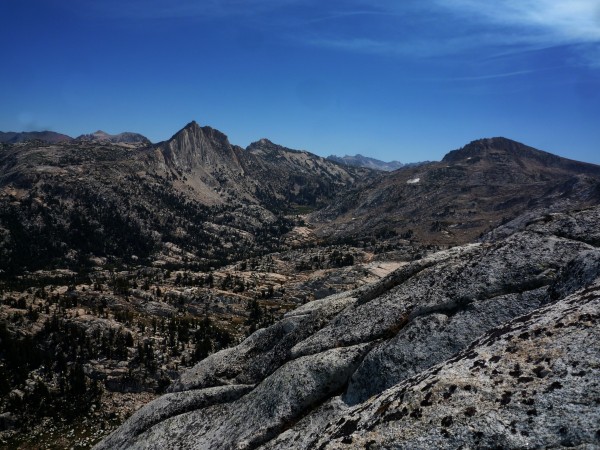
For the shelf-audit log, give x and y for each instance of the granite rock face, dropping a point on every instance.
(494, 344)
(533, 382)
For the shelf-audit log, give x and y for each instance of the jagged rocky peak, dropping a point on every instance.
(195, 131)
(263, 142)
(194, 146)
(273, 152)
(196, 135)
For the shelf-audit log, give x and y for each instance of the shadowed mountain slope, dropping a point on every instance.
(470, 191)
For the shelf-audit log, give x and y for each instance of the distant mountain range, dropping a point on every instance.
(195, 190)
(471, 190)
(359, 160)
(127, 137)
(12, 137)
(121, 138)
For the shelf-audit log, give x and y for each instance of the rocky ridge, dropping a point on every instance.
(485, 345)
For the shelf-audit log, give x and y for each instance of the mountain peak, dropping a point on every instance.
(515, 156)
(192, 125)
(491, 148)
(199, 148)
(265, 145)
(199, 133)
(262, 143)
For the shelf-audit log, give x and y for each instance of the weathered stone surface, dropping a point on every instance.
(432, 338)
(170, 405)
(488, 345)
(576, 225)
(531, 383)
(280, 400)
(264, 351)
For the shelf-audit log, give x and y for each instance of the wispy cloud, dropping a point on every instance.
(435, 27)
(452, 27)
(538, 24)
(414, 47)
(495, 76)
(566, 21)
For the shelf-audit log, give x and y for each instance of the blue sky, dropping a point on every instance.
(406, 80)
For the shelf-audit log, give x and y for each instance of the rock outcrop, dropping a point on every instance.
(494, 344)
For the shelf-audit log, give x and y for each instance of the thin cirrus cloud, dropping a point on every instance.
(557, 20)
(501, 75)
(459, 26)
(566, 21)
(540, 24)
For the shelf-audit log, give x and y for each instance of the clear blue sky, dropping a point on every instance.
(393, 79)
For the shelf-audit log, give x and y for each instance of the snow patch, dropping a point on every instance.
(413, 181)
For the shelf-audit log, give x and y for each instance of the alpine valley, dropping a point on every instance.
(195, 294)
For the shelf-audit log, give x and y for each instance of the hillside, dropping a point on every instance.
(121, 264)
(469, 192)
